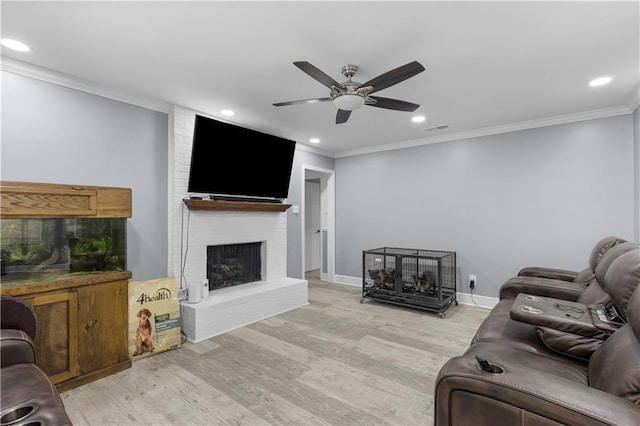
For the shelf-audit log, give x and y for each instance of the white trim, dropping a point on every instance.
(487, 131)
(66, 80)
(329, 203)
(463, 298)
(347, 280)
(170, 206)
(55, 77)
(477, 300)
(314, 150)
(634, 101)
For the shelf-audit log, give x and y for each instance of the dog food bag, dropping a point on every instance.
(154, 317)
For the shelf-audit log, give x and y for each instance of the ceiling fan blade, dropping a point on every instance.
(394, 104)
(317, 74)
(394, 76)
(302, 101)
(342, 116)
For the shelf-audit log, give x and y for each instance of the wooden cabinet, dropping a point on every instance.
(82, 314)
(82, 326)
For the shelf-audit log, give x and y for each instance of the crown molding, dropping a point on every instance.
(66, 80)
(634, 101)
(308, 148)
(494, 130)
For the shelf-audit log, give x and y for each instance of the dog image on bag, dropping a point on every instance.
(144, 333)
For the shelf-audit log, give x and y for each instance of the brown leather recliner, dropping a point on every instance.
(27, 397)
(499, 327)
(495, 383)
(560, 283)
(581, 277)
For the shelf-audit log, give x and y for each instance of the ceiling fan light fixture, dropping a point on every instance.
(348, 102)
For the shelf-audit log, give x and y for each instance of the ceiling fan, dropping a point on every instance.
(350, 95)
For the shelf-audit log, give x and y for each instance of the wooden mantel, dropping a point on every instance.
(248, 206)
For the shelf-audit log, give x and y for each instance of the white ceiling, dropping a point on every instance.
(490, 66)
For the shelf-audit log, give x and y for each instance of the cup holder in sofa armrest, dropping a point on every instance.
(488, 367)
(16, 414)
(528, 309)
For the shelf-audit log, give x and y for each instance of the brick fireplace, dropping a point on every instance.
(194, 230)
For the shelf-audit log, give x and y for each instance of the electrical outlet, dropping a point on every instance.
(183, 294)
(472, 281)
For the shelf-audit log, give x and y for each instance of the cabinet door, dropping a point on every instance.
(57, 338)
(102, 325)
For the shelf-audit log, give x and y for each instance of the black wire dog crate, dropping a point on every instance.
(423, 279)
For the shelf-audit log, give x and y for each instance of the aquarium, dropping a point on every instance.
(34, 250)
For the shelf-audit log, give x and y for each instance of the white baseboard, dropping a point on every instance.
(463, 298)
(477, 300)
(352, 281)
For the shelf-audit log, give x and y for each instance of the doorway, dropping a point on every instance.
(313, 243)
(318, 222)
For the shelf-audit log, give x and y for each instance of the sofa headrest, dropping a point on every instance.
(633, 312)
(601, 248)
(608, 258)
(622, 278)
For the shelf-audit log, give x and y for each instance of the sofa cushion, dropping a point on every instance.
(615, 366)
(622, 278)
(570, 344)
(601, 248)
(610, 256)
(594, 294)
(498, 327)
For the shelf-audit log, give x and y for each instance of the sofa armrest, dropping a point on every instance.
(467, 395)
(557, 289)
(552, 273)
(16, 347)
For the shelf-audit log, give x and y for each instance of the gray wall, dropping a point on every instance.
(55, 134)
(294, 221)
(536, 197)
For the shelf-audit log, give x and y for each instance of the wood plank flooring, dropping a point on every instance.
(335, 361)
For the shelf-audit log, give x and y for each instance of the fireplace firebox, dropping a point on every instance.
(233, 264)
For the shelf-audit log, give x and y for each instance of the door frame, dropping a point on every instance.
(327, 219)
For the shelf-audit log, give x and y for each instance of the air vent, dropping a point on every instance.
(441, 127)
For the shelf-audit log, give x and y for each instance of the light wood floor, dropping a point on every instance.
(335, 361)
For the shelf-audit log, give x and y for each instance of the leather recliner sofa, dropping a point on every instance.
(509, 375)
(27, 396)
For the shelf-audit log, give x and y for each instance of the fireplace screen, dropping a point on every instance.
(233, 264)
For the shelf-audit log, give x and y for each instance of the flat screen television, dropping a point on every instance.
(233, 162)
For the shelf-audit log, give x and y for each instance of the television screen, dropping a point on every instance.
(228, 159)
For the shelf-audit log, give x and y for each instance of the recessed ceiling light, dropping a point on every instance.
(314, 140)
(15, 45)
(600, 81)
(418, 118)
(227, 112)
